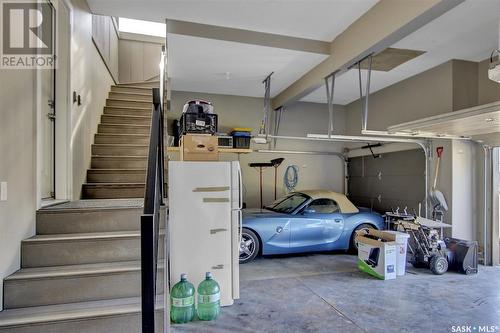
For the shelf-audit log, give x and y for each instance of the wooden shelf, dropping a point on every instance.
(221, 150)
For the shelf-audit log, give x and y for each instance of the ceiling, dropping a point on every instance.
(198, 64)
(467, 32)
(204, 65)
(313, 19)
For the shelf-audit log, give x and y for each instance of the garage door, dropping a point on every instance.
(393, 180)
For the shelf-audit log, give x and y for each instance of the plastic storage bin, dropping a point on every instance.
(241, 140)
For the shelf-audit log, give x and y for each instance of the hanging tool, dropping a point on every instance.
(276, 163)
(291, 178)
(436, 195)
(260, 167)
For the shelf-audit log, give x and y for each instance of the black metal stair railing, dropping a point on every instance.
(151, 218)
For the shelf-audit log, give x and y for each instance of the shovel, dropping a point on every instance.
(436, 195)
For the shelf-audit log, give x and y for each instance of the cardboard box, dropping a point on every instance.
(377, 257)
(199, 147)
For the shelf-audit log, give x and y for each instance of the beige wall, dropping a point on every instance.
(90, 79)
(18, 135)
(17, 166)
(315, 171)
(138, 60)
(423, 95)
(489, 91)
(445, 88)
(105, 37)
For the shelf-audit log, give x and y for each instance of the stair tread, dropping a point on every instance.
(83, 236)
(127, 107)
(130, 93)
(133, 125)
(114, 184)
(117, 170)
(124, 134)
(137, 82)
(126, 116)
(120, 145)
(128, 100)
(90, 205)
(74, 270)
(123, 156)
(71, 311)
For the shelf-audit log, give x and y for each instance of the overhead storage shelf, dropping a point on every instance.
(221, 150)
(482, 119)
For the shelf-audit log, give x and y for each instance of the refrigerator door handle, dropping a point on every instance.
(240, 221)
(240, 181)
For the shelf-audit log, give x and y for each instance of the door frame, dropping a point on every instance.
(62, 136)
(495, 206)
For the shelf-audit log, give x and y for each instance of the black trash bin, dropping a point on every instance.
(462, 255)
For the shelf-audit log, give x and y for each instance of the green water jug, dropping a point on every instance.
(182, 301)
(208, 298)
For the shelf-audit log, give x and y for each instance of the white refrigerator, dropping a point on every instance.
(205, 202)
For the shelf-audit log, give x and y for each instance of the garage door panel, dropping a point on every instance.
(394, 180)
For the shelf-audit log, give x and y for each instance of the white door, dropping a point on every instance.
(47, 100)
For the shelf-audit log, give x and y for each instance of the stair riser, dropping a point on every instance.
(127, 219)
(127, 112)
(117, 139)
(72, 289)
(90, 192)
(119, 151)
(116, 177)
(130, 104)
(122, 129)
(129, 323)
(59, 253)
(106, 119)
(118, 163)
(133, 90)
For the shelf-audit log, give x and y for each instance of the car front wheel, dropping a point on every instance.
(249, 246)
(353, 247)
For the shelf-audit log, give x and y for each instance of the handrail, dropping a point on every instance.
(150, 220)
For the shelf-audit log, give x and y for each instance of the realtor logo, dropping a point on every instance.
(27, 36)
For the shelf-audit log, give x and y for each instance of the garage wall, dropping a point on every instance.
(447, 87)
(488, 91)
(138, 59)
(315, 171)
(91, 79)
(17, 166)
(423, 95)
(105, 37)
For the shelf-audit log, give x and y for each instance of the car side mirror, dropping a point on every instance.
(309, 210)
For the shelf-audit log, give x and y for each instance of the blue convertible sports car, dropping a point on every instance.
(305, 221)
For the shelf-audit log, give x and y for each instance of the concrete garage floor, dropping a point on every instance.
(327, 293)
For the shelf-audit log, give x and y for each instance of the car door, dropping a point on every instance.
(317, 227)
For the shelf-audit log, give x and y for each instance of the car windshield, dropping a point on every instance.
(288, 204)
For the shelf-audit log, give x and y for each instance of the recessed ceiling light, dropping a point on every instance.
(489, 120)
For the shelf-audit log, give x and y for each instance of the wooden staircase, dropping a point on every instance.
(119, 152)
(81, 272)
